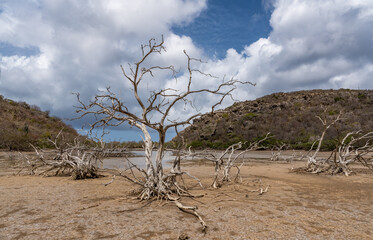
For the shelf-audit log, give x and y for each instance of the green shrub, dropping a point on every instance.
(214, 145)
(225, 115)
(303, 146)
(47, 135)
(329, 145)
(250, 115)
(297, 105)
(332, 112)
(231, 135)
(13, 103)
(269, 142)
(361, 96)
(196, 144)
(219, 144)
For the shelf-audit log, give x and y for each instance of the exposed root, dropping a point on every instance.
(261, 191)
(111, 181)
(189, 209)
(162, 187)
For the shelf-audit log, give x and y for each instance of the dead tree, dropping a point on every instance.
(349, 152)
(74, 159)
(276, 156)
(354, 147)
(315, 164)
(155, 111)
(364, 154)
(224, 165)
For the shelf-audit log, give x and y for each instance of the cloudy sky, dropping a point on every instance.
(51, 48)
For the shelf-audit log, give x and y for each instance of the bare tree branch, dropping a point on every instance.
(109, 110)
(352, 148)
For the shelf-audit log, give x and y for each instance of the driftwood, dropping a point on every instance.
(224, 165)
(349, 152)
(75, 160)
(355, 147)
(190, 210)
(276, 153)
(315, 164)
(261, 191)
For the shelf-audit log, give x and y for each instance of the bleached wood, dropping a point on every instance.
(110, 110)
(346, 153)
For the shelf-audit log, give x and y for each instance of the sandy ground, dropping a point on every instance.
(296, 206)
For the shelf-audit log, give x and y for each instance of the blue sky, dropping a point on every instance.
(228, 24)
(49, 49)
(7, 49)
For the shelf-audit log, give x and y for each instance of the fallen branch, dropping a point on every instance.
(223, 166)
(261, 191)
(111, 181)
(190, 210)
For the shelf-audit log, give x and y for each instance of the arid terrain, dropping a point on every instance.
(296, 206)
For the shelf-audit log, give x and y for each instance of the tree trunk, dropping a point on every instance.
(158, 162)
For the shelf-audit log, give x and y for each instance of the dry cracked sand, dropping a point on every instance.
(296, 206)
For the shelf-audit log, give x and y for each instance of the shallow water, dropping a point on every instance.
(138, 159)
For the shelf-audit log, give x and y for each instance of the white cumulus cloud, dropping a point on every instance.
(82, 43)
(313, 44)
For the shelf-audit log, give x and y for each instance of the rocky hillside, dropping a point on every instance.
(21, 124)
(290, 117)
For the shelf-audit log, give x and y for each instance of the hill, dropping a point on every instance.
(22, 124)
(290, 117)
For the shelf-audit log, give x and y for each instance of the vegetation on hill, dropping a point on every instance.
(22, 124)
(290, 117)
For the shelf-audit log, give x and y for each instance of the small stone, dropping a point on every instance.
(183, 236)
